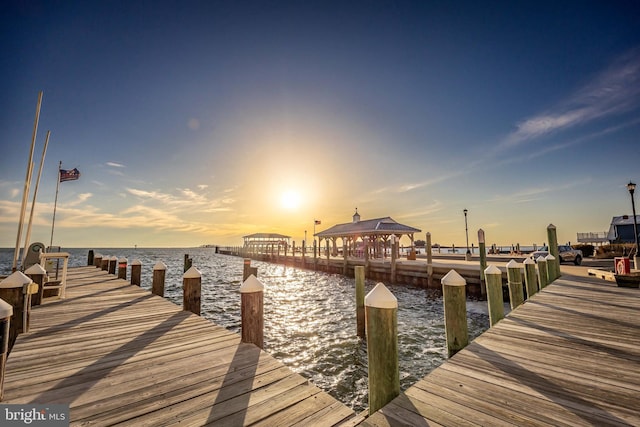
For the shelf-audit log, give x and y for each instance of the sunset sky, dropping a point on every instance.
(200, 122)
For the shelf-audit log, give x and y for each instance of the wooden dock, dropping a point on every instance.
(119, 355)
(570, 356)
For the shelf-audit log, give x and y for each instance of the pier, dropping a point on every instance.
(119, 354)
(568, 356)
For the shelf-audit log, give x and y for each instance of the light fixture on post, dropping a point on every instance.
(632, 188)
(466, 231)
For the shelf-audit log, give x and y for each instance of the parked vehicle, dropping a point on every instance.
(566, 254)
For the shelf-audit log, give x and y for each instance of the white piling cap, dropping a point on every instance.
(550, 258)
(529, 261)
(513, 264)
(114, 258)
(380, 297)
(541, 259)
(136, 262)
(6, 310)
(160, 266)
(452, 278)
(36, 269)
(252, 284)
(192, 273)
(551, 226)
(15, 280)
(492, 269)
(97, 256)
(123, 259)
(481, 236)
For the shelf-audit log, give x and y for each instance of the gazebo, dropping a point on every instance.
(265, 242)
(372, 234)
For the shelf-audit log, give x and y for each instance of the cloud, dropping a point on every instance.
(614, 91)
(115, 165)
(202, 186)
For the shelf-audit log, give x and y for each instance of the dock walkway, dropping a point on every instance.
(119, 355)
(570, 356)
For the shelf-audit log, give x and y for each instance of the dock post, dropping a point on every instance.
(552, 262)
(344, 257)
(530, 277)
(394, 257)
(482, 250)
(6, 311)
(112, 264)
(247, 270)
(360, 323)
(429, 249)
(159, 271)
(37, 273)
(97, 260)
(543, 273)
(104, 263)
(495, 303)
(90, 257)
(122, 268)
(381, 308)
(136, 272)
(455, 311)
(252, 311)
(13, 290)
(191, 288)
(188, 262)
(514, 277)
(553, 249)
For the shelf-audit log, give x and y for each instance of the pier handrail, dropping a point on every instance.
(63, 278)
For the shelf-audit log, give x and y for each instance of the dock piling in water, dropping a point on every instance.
(360, 323)
(112, 265)
(252, 311)
(455, 312)
(122, 268)
(191, 290)
(482, 250)
(136, 272)
(381, 311)
(495, 304)
(159, 272)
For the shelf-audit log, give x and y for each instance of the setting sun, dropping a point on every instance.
(290, 200)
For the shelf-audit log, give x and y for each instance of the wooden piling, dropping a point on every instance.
(191, 289)
(551, 267)
(252, 311)
(136, 272)
(247, 270)
(104, 263)
(553, 249)
(188, 262)
(482, 250)
(12, 291)
(428, 249)
(122, 268)
(37, 273)
(112, 264)
(360, 279)
(543, 274)
(97, 260)
(381, 309)
(90, 257)
(531, 280)
(514, 277)
(455, 312)
(394, 257)
(495, 304)
(159, 272)
(6, 311)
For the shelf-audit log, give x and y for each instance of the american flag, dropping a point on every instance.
(317, 221)
(69, 175)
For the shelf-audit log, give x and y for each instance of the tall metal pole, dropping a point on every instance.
(27, 183)
(35, 194)
(466, 229)
(632, 187)
(55, 204)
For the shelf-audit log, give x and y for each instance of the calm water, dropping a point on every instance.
(310, 319)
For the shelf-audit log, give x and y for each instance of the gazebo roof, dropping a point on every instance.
(379, 226)
(266, 236)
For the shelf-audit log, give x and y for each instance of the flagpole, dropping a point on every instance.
(35, 194)
(27, 184)
(55, 204)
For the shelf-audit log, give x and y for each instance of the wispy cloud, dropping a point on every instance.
(115, 165)
(614, 91)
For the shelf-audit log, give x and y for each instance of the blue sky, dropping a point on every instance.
(201, 122)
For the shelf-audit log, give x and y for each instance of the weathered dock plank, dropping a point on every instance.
(568, 356)
(119, 355)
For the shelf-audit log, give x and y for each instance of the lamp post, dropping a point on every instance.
(466, 231)
(632, 187)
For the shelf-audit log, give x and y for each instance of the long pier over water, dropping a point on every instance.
(119, 355)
